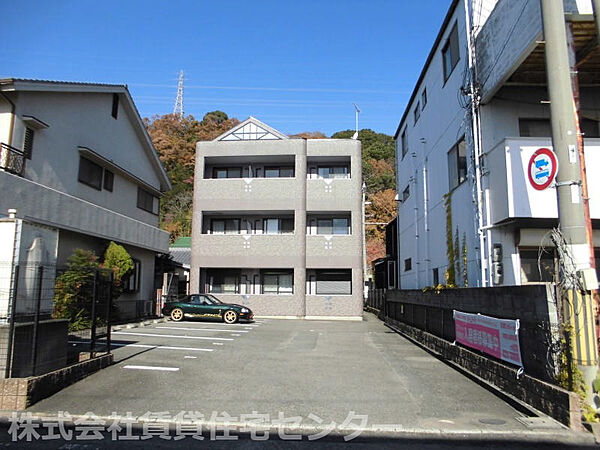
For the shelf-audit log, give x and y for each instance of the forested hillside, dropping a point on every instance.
(175, 140)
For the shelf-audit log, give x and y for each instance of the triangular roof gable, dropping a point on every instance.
(251, 129)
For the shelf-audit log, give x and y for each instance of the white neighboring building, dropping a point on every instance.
(434, 148)
(76, 158)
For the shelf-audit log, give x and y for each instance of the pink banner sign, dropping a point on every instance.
(496, 337)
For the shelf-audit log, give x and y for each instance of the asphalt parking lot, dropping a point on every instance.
(318, 371)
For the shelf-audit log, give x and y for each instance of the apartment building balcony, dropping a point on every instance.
(333, 194)
(509, 192)
(248, 193)
(332, 251)
(510, 45)
(249, 250)
(12, 159)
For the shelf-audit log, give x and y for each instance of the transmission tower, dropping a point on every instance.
(178, 107)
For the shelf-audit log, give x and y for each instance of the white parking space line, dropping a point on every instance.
(164, 369)
(190, 357)
(232, 326)
(235, 334)
(161, 347)
(202, 329)
(175, 336)
(217, 343)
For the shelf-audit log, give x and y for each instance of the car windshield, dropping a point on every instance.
(214, 300)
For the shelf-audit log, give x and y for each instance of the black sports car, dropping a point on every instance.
(206, 306)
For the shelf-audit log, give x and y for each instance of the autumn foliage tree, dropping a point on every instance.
(175, 140)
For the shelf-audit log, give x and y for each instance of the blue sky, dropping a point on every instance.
(297, 65)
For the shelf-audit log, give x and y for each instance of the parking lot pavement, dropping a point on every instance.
(313, 370)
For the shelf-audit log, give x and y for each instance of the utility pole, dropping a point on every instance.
(178, 107)
(364, 231)
(578, 304)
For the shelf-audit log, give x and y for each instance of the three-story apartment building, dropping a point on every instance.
(467, 211)
(75, 158)
(277, 223)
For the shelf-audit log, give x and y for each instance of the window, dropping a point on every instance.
(278, 226)
(28, 143)
(147, 201)
(227, 172)
(423, 98)
(333, 172)
(334, 282)
(328, 226)
(536, 266)
(543, 128)
(115, 106)
(404, 143)
(277, 282)
(436, 276)
(109, 179)
(535, 128)
(279, 172)
(450, 52)
(417, 112)
(457, 164)
(132, 283)
(225, 226)
(90, 173)
(225, 281)
(406, 193)
(590, 128)
(407, 264)
(391, 275)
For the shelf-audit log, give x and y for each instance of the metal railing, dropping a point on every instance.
(12, 159)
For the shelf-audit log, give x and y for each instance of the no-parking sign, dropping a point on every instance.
(542, 168)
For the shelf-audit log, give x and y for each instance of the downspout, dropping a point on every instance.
(12, 118)
(476, 129)
(426, 222)
(416, 210)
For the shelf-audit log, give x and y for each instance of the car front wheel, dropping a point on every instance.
(177, 315)
(230, 317)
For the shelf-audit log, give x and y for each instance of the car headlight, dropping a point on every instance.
(245, 310)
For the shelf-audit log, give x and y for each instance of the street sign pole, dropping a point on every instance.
(568, 188)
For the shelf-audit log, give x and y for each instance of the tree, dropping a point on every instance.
(375, 145)
(379, 175)
(72, 293)
(382, 209)
(175, 140)
(120, 263)
(309, 135)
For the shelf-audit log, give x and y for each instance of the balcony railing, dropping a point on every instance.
(12, 159)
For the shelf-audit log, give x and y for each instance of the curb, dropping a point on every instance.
(143, 323)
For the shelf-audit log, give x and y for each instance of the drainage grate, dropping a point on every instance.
(539, 422)
(492, 421)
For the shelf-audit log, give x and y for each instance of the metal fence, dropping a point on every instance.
(52, 316)
(12, 159)
(376, 299)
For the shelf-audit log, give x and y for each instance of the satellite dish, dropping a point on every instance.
(355, 135)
